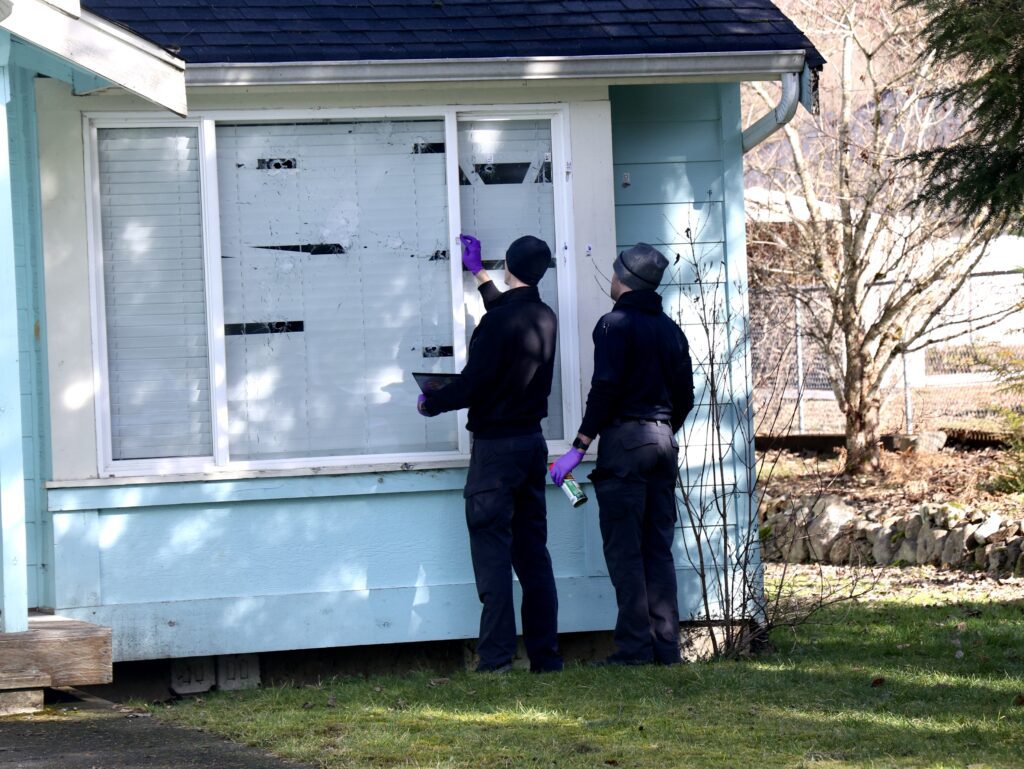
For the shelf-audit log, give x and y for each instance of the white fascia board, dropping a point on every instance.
(106, 50)
(70, 7)
(750, 65)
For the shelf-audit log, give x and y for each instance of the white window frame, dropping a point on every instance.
(205, 123)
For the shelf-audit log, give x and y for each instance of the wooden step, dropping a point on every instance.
(31, 679)
(68, 652)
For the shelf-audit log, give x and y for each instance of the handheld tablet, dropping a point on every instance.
(430, 383)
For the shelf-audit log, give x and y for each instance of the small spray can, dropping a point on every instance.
(572, 490)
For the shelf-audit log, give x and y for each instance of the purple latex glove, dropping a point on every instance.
(420, 400)
(565, 464)
(471, 253)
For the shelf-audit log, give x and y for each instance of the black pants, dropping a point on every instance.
(635, 486)
(508, 529)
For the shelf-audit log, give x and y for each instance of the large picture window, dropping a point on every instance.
(268, 286)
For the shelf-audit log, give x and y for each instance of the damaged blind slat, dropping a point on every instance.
(157, 357)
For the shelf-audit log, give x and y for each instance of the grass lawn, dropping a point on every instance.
(877, 684)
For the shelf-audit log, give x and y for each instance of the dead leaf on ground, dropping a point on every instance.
(876, 682)
(611, 762)
(439, 681)
(378, 689)
(1019, 700)
(307, 705)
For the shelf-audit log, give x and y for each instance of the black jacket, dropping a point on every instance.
(642, 366)
(507, 378)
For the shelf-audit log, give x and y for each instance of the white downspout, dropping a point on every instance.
(778, 117)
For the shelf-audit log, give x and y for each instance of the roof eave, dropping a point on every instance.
(104, 49)
(732, 65)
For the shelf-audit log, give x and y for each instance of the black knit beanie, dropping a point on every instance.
(528, 259)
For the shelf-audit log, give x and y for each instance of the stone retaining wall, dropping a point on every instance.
(827, 530)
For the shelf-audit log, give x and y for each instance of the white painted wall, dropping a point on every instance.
(64, 183)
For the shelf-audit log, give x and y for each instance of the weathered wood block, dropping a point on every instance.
(28, 679)
(20, 701)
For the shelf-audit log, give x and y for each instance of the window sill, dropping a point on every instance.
(229, 474)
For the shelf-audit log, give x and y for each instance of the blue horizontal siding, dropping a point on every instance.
(680, 147)
(260, 564)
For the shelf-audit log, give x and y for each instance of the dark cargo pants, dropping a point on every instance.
(635, 487)
(507, 520)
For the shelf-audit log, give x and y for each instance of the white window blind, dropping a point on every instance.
(336, 286)
(156, 334)
(506, 192)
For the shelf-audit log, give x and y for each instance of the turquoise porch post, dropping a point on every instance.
(13, 549)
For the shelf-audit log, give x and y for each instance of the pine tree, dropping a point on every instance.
(982, 172)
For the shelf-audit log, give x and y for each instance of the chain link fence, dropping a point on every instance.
(946, 386)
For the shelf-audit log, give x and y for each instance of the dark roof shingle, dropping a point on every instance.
(252, 31)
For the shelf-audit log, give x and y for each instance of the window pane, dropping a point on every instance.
(153, 279)
(336, 286)
(506, 192)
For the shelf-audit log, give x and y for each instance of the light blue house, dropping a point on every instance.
(220, 430)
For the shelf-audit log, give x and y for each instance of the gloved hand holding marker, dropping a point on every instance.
(471, 258)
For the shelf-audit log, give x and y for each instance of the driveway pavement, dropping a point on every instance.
(95, 734)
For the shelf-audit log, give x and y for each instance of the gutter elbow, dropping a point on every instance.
(778, 117)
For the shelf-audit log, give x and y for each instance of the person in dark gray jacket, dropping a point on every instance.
(641, 391)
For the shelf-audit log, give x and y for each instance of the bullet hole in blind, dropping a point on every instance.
(438, 351)
(266, 327)
(502, 173)
(276, 164)
(428, 148)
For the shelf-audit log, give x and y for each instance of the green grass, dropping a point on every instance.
(816, 702)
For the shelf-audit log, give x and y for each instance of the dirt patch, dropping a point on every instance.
(958, 476)
(920, 585)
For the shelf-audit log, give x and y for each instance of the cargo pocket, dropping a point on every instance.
(485, 506)
(631, 442)
(495, 471)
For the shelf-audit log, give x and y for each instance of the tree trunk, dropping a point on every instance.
(863, 446)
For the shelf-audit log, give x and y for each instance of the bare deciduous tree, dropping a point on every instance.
(872, 266)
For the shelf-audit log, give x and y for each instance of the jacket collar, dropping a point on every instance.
(645, 300)
(517, 295)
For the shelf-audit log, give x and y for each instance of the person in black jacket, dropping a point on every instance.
(641, 391)
(506, 383)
